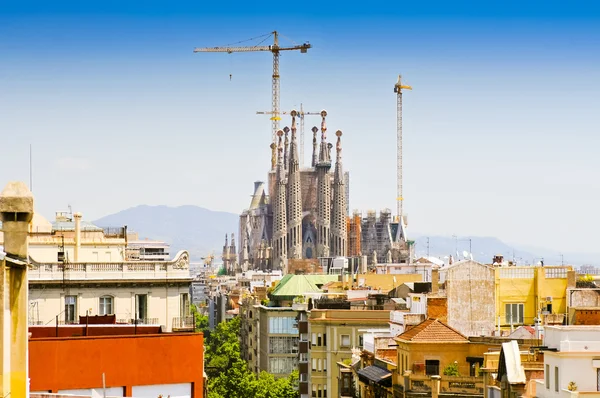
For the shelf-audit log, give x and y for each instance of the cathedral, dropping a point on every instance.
(302, 214)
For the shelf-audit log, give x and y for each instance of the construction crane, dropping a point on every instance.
(275, 49)
(301, 115)
(398, 87)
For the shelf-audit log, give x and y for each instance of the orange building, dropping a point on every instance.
(137, 365)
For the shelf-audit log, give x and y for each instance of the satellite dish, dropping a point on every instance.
(465, 254)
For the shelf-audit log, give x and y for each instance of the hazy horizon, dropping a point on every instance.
(500, 129)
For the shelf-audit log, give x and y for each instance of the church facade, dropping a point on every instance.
(302, 213)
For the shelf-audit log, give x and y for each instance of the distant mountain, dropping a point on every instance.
(192, 228)
(202, 231)
(485, 248)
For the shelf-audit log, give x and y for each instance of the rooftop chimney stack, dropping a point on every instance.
(77, 217)
(16, 212)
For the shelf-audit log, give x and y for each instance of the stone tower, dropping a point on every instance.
(315, 155)
(280, 213)
(294, 197)
(323, 193)
(339, 236)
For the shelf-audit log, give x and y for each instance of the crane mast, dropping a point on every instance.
(400, 199)
(275, 49)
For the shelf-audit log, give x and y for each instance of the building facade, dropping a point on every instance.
(134, 292)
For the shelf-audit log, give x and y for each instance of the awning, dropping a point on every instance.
(374, 373)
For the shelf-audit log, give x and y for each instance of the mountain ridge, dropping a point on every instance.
(201, 231)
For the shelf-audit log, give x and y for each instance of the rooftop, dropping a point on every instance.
(432, 330)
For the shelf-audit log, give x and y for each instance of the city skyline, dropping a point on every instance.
(499, 129)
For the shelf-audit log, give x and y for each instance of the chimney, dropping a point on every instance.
(435, 280)
(77, 217)
(16, 212)
(571, 279)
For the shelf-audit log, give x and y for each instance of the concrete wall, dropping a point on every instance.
(127, 361)
(470, 293)
(163, 302)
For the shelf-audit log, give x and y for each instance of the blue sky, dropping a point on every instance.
(500, 129)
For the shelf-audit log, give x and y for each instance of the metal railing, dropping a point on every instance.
(184, 322)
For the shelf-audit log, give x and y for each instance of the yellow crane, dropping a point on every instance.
(275, 49)
(301, 115)
(398, 87)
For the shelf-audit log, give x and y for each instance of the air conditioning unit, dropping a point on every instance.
(549, 299)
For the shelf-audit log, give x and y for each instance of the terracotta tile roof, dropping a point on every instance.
(432, 330)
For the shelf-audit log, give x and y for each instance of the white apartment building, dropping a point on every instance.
(153, 292)
(79, 269)
(571, 362)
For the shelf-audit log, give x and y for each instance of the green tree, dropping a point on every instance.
(201, 321)
(228, 374)
(451, 369)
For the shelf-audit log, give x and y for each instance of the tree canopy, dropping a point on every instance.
(228, 374)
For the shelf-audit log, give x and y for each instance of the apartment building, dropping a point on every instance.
(334, 333)
(155, 293)
(526, 293)
(571, 362)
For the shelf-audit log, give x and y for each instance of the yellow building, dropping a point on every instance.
(525, 293)
(334, 333)
(431, 349)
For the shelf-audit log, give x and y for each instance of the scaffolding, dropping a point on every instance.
(354, 234)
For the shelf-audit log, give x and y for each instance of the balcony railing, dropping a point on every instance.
(448, 384)
(132, 270)
(183, 323)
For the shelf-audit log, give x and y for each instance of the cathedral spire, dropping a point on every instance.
(315, 155)
(323, 193)
(339, 237)
(286, 149)
(324, 155)
(294, 197)
(280, 213)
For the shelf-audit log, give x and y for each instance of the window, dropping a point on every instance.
(184, 307)
(70, 309)
(141, 307)
(324, 339)
(432, 367)
(282, 365)
(314, 364)
(360, 340)
(324, 390)
(319, 368)
(345, 340)
(556, 378)
(314, 339)
(319, 339)
(319, 391)
(314, 391)
(514, 313)
(283, 345)
(282, 325)
(547, 377)
(106, 305)
(325, 365)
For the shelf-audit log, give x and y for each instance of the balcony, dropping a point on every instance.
(462, 385)
(178, 268)
(183, 324)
